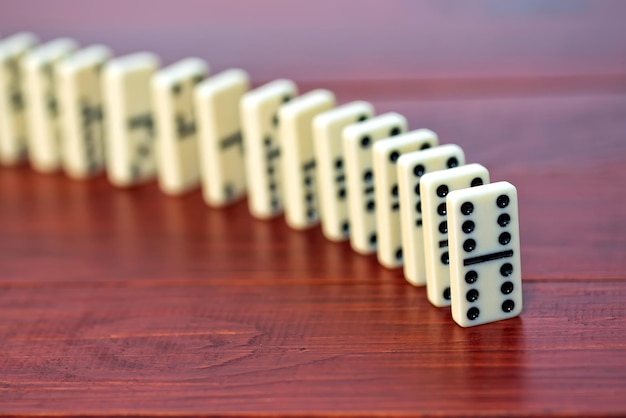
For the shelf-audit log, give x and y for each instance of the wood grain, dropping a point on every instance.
(128, 302)
(360, 345)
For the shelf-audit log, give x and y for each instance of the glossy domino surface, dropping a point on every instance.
(79, 91)
(13, 128)
(130, 131)
(298, 160)
(485, 268)
(387, 192)
(331, 173)
(411, 168)
(42, 113)
(178, 167)
(434, 188)
(358, 140)
(219, 136)
(259, 119)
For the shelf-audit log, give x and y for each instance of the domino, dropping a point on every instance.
(485, 268)
(12, 102)
(81, 117)
(219, 136)
(178, 166)
(259, 123)
(42, 113)
(298, 161)
(411, 167)
(331, 177)
(434, 188)
(357, 141)
(129, 143)
(386, 190)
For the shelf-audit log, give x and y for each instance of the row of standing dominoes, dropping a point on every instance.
(366, 178)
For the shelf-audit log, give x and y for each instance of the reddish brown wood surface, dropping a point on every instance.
(129, 302)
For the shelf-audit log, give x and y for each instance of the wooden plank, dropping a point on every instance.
(357, 345)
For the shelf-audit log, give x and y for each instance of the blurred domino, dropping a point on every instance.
(129, 143)
(219, 136)
(434, 188)
(80, 105)
(357, 142)
(386, 154)
(259, 118)
(485, 268)
(333, 198)
(12, 102)
(411, 167)
(42, 112)
(298, 161)
(178, 167)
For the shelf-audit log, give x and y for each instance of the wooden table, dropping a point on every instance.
(125, 302)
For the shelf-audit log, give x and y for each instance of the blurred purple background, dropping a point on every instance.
(335, 40)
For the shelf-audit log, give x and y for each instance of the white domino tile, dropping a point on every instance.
(485, 268)
(434, 187)
(331, 177)
(357, 140)
(219, 136)
(298, 157)
(130, 137)
(42, 113)
(259, 122)
(79, 91)
(13, 142)
(411, 167)
(386, 155)
(178, 166)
